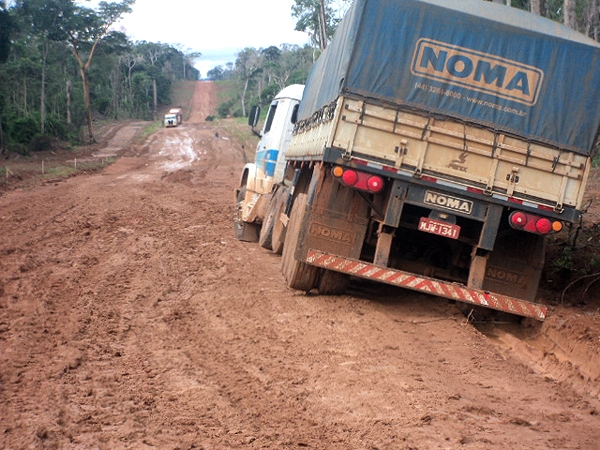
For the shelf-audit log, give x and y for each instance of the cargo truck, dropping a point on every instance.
(178, 114)
(437, 145)
(173, 118)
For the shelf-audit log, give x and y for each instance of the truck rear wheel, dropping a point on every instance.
(265, 239)
(332, 283)
(278, 235)
(298, 275)
(243, 231)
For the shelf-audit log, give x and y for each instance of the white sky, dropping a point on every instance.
(216, 28)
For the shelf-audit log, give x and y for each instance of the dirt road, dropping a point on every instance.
(131, 319)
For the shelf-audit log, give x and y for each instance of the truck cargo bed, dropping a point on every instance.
(501, 166)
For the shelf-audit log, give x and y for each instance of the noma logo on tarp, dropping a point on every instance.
(478, 71)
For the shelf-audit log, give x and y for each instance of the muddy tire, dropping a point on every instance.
(298, 275)
(243, 231)
(278, 234)
(332, 283)
(265, 238)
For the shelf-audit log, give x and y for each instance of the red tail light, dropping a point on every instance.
(350, 177)
(359, 180)
(544, 226)
(375, 184)
(533, 224)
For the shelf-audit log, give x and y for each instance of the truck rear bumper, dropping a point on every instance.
(421, 283)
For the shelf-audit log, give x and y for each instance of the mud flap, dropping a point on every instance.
(515, 266)
(338, 220)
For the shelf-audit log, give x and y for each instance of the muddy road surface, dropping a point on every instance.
(130, 318)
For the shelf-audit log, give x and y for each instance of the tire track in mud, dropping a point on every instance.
(553, 354)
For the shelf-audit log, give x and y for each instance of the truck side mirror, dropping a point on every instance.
(253, 117)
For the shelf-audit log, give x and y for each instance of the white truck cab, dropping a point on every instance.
(171, 120)
(261, 179)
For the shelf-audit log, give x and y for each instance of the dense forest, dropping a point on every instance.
(62, 65)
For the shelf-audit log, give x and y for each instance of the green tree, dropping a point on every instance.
(216, 73)
(38, 16)
(6, 28)
(188, 59)
(318, 18)
(248, 67)
(83, 29)
(37, 88)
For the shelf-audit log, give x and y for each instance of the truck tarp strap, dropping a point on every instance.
(556, 160)
(428, 285)
(495, 145)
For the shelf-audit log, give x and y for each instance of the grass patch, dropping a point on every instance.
(59, 172)
(239, 130)
(226, 90)
(148, 130)
(3, 175)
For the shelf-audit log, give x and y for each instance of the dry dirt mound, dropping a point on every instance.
(131, 318)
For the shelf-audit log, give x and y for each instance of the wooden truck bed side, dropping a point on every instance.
(460, 153)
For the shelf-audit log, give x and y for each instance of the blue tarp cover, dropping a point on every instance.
(471, 60)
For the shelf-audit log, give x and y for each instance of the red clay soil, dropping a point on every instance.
(130, 318)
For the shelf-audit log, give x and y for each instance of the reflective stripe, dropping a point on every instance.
(452, 185)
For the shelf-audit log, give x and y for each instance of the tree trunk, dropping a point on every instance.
(116, 88)
(2, 146)
(88, 106)
(69, 117)
(244, 97)
(43, 90)
(570, 19)
(155, 106)
(589, 24)
(83, 68)
(25, 106)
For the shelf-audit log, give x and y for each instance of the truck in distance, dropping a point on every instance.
(174, 117)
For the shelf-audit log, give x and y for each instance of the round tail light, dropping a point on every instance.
(518, 219)
(543, 225)
(375, 184)
(350, 177)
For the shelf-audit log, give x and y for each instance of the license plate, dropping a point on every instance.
(440, 228)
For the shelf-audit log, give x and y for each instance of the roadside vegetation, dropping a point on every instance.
(63, 68)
